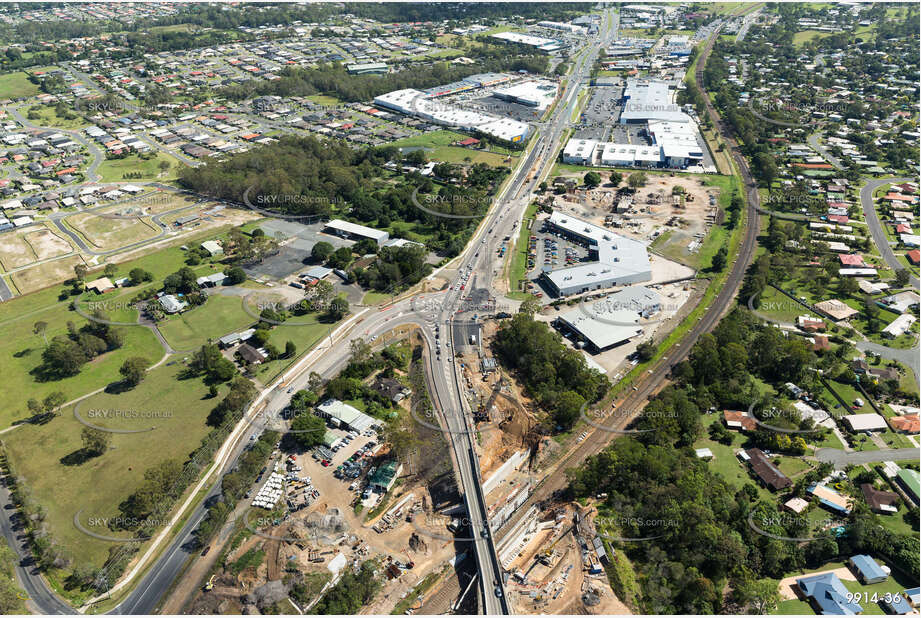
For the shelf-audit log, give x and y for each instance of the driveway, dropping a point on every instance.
(876, 228)
(840, 459)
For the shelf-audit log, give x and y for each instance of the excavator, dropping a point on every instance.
(210, 584)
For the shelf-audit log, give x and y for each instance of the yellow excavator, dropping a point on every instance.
(210, 583)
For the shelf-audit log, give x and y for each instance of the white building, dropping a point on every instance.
(899, 326)
(421, 105)
(618, 260)
(533, 93)
(355, 231)
(613, 320)
(580, 151)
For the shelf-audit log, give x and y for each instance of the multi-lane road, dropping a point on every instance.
(425, 311)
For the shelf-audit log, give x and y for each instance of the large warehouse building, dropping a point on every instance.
(613, 320)
(538, 42)
(537, 94)
(416, 103)
(355, 231)
(648, 100)
(618, 260)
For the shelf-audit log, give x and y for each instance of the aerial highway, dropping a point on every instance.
(478, 264)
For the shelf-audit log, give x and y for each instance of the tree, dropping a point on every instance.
(360, 349)
(636, 180)
(321, 251)
(569, 406)
(592, 179)
(139, 276)
(307, 430)
(110, 270)
(340, 258)
(719, 260)
(49, 404)
(290, 349)
(616, 178)
(235, 275)
(39, 328)
(530, 306)
(901, 277)
(134, 369)
(80, 271)
(646, 350)
(95, 441)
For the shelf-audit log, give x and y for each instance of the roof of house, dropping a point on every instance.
(865, 422)
(738, 419)
(878, 499)
(766, 471)
(853, 259)
(101, 285)
(347, 414)
(867, 567)
(837, 309)
(251, 354)
(830, 498)
(909, 423)
(829, 594)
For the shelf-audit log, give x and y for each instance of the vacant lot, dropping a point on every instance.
(34, 244)
(105, 233)
(17, 85)
(437, 145)
(113, 170)
(47, 456)
(43, 275)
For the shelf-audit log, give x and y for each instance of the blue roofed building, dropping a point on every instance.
(913, 595)
(867, 569)
(896, 604)
(827, 595)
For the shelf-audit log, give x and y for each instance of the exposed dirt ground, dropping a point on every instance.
(29, 246)
(43, 275)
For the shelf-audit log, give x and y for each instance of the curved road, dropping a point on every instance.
(876, 227)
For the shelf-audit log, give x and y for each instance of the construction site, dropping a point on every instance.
(683, 207)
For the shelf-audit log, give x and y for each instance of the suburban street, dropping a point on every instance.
(876, 227)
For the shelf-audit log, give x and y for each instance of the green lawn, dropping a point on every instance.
(518, 266)
(791, 466)
(724, 462)
(373, 298)
(219, 316)
(48, 117)
(438, 147)
(16, 86)
(177, 409)
(304, 337)
(115, 170)
(21, 351)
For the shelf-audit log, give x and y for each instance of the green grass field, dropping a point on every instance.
(518, 256)
(115, 170)
(219, 316)
(374, 298)
(438, 147)
(21, 351)
(48, 117)
(39, 454)
(16, 86)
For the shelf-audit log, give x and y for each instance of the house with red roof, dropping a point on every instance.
(853, 260)
(842, 219)
(914, 256)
